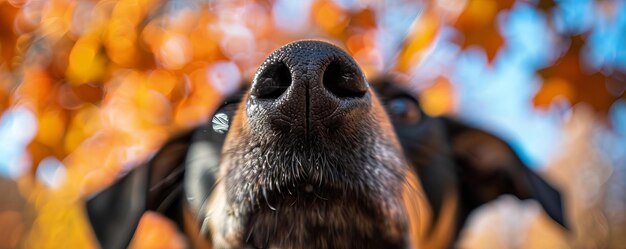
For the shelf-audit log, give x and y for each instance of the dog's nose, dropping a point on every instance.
(311, 85)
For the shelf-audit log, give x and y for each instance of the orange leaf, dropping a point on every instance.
(568, 78)
(478, 25)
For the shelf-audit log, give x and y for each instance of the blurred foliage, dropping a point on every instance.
(567, 78)
(108, 81)
(479, 27)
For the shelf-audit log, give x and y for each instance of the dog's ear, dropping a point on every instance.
(181, 175)
(115, 212)
(489, 167)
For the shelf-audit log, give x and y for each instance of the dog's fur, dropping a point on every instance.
(376, 178)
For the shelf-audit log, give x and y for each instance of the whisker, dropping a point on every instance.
(264, 191)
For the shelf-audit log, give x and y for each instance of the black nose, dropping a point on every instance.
(308, 85)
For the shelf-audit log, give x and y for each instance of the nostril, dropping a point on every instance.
(272, 82)
(343, 81)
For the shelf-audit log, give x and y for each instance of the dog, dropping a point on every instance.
(313, 155)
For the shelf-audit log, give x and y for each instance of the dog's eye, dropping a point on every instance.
(223, 117)
(404, 109)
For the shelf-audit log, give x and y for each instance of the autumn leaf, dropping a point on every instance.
(568, 78)
(329, 17)
(421, 35)
(478, 25)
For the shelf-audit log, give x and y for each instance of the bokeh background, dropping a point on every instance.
(89, 89)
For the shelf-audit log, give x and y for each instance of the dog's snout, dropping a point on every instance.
(308, 84)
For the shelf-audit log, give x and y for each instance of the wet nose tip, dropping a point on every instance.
(307, 87)
(314, 64)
